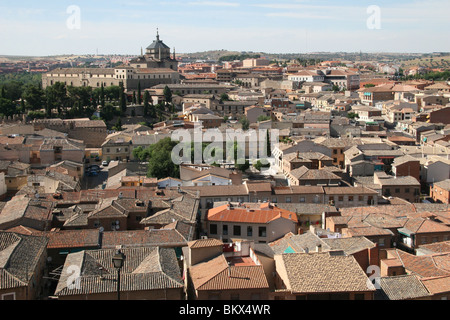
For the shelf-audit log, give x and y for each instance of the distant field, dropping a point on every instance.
(430, 62)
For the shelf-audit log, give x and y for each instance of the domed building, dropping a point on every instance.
(153, 68)
(157, 56)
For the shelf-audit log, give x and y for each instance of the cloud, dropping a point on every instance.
(214, 4)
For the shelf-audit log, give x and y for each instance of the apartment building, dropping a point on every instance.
(261, 223)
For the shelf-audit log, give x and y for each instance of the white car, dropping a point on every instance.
(105, 163)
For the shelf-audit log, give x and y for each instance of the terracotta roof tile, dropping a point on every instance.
(243, 214)
(323, 273)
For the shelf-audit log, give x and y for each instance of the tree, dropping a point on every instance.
(224, 97)
(159, 157)
(258, 165)
(118, 126)
(56, 98)
(245, 123)
(139, 95)
(112, 93)
(12, 90)
(7, 107)
(352, 115)
(336, 88)
(269, 145)
(134, 97)
(34, 96)
(262, 118)
(122, 99)
(146, 103)
(168, 94)
(102, 96)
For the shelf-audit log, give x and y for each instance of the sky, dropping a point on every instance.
(44, 28)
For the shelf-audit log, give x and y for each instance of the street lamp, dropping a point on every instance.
(118, 260)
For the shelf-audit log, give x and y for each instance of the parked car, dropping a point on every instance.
(105, 163)
(95, 167)
(93, 173)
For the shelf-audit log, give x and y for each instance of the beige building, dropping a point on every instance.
(153, 68)
(261, 223)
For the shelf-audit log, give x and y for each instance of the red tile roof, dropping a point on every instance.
(246, 215)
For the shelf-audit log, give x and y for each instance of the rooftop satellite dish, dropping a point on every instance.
(101, 229)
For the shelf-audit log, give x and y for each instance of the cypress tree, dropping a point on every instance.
(146, 103)
(122, 99)
(139, 97)
(102, 96)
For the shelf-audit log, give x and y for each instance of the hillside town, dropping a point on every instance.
(350, 203)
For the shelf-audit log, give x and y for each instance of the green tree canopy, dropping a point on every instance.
(159, 157)
(245, 123)
(34, 97)
(168, 94)
(7, 107)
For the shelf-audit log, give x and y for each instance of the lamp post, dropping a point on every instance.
(118, 260)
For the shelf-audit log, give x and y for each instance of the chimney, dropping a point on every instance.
(319, 248)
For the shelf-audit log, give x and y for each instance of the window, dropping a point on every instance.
(302, 199)
(381, 242)
(262, 232)
(288, 200)
(350, 198)
(237, 230)
(250, 231)
(341, 198)
(213, 229)
(256, 296)
(225, 230)
(213, 296)
(407, 190)
(397, 190)
(9, 296)
(360, 198)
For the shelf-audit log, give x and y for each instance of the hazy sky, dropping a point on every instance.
(285, 26)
